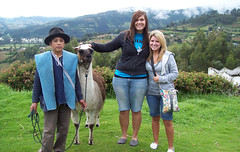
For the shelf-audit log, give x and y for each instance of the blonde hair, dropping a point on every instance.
(160, 36)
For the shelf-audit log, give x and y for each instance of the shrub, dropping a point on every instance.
(199, 82)
(19, 76)
(107, 74)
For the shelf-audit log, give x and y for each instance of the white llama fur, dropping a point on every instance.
(95, 94)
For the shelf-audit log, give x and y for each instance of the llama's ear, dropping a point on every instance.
(76, 48)
(91, 49)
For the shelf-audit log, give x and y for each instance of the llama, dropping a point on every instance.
(95, 93)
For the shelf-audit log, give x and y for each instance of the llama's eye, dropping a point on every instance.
(91, 51)
(81, 52)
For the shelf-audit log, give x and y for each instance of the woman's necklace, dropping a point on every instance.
(139, 50)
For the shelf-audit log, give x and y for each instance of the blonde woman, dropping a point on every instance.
(165, 75)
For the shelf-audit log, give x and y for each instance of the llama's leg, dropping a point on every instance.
(75, 119)
(90, 142)
(92, 116)
(87, 115)
(97, 121)
(76, 140)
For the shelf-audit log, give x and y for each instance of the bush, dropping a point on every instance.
(199, 82)
(19, 76)
(107, 74)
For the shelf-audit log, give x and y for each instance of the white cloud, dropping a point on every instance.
(191, 12)
(163, 14)
(74, 8)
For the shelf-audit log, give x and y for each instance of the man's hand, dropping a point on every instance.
(34, 107)
(83, 104)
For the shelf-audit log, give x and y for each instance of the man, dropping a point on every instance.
(57, 87)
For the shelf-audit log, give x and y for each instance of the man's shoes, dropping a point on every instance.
(133, 142)
(121, 141)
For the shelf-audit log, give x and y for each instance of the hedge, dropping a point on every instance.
(21, 77)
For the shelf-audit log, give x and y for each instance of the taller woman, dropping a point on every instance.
(130, 79)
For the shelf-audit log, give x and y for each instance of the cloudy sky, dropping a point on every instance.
(74, 8)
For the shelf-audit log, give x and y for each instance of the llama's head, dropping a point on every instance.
(84, 53)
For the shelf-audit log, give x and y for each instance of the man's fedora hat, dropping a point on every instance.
(56, 32)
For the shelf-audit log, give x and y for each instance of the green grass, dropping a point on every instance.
(204, 123)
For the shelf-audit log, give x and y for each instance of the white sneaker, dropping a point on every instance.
(171, 150)
(153, 145)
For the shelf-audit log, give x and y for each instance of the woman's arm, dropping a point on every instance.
(173, 71)
(110, 46)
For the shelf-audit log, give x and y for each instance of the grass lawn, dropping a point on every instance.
(205, 123)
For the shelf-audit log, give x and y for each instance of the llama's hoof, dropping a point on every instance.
(86, 126)
(76, 125)
(76, 143)
(90, 142)
(97, 125)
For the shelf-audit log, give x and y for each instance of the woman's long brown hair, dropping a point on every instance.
(132, 31)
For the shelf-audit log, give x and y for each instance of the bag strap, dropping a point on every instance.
(152, 64)
(65, 72)
(153, 68)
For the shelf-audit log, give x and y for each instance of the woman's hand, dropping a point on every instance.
(156, 78)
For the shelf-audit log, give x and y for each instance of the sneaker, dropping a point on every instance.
(154, 145)
(171, 150)
(121, 141)
(133, 143)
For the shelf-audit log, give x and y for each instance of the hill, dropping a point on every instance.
(106, 22)
(208, 22)
(22, 22)
(91, 26)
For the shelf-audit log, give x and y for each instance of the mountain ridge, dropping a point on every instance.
(104, 22)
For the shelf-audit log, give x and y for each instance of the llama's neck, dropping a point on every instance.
(84, 73)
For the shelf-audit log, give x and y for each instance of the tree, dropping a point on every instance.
(27, 54)
(74, 42)
(115, 59)
(185, 52)
(101, 59)
(231, 62)
(212, 53)
(176, 50)
(200, 37)
(6, 39)
(217, 49)
(224, 50)
(197, 59)
(233, 59)
(235, 12)
(69, 46)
